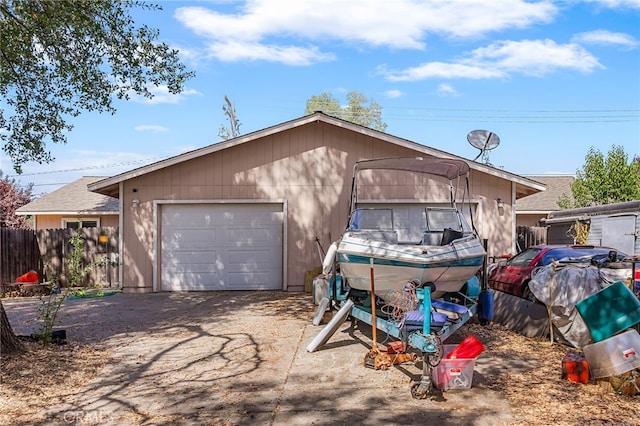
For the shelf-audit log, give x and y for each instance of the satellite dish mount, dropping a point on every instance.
(485, 141)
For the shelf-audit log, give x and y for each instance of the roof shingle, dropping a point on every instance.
(73, 198)
(546, 200)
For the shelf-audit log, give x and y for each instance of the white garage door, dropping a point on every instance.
(221, 247)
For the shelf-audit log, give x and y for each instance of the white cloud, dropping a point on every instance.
(161, 95)
(501, 59)
(607, 38)
(535, 57)
(447, 90)
(393, 93)
(258, 28)
(617, 4)
(150, 128)
(291, 55)
(441, 70)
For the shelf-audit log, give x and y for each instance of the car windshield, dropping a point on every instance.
(525, 257)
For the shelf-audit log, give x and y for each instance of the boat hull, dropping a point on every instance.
(448, 267)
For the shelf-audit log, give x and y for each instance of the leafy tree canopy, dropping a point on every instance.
(12, 197)
(604, 180)
(356, 110)
(59, 58)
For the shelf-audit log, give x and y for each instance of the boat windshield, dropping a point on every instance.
(410, 226)
(440, 219)
(378, 219)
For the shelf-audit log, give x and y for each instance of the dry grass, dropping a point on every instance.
(539, 396)
(46, 376)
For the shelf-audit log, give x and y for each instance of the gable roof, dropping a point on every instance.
(73, 199)
(546, 201)
(110, 186)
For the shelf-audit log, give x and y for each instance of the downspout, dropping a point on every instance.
(121, 236)
(514, 236)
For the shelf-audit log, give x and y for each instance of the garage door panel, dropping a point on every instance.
(253, 218)
(198, 263)
(192, 217)
(263, 257)
(221, 246)
(189, 235)
(240, 281)
(193, 282)
(189, 246)
(250, 260)
(189, 241)
(249, 237)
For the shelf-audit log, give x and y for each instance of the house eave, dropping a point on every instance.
(545, 212)
(67, 213)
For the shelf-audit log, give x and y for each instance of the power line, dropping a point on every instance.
(510, 116)
(96, 167)
(548, 111)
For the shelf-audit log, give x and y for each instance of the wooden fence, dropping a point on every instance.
(48, 253)
(530, 236)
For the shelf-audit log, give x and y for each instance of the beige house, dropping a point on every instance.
(245, 213)
(531, 209)
(73, 206)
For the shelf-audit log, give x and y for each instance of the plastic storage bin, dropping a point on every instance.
(615, 355)
(610, 311)
(453, 373)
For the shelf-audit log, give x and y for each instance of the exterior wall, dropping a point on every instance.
(495, 224)
(55, 221)
(309, 166)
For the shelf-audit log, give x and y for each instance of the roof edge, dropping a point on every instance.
(108, 186)
(69, 213)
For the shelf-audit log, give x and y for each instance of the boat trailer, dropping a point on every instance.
(419, 329)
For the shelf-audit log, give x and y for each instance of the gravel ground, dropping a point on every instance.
(239, 358)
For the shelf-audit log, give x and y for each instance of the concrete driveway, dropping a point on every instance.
(240, 358)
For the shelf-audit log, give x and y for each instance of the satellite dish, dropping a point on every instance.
(484, 140)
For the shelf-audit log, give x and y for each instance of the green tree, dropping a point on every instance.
(356, 111)
(59, 58)
(604, 180)
(233, 130)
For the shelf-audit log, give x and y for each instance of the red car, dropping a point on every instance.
(513, 275)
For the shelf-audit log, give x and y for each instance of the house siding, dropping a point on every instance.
(310, 167)
(55, 221)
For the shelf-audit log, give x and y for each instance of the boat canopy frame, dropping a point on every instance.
(449, 168)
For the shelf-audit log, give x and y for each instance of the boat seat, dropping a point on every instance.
(449, 235)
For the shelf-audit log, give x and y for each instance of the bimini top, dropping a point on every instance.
(443, 167)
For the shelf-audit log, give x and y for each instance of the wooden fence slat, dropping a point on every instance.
(44, 251)
(19, 253)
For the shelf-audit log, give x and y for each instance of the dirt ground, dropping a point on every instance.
(530, 380)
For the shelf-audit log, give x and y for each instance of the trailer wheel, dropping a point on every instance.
(419, 391)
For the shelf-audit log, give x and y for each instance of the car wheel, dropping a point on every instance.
(526, 294)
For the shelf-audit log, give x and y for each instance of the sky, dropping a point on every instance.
(552, 79)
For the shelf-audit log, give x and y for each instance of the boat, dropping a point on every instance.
(438, 247)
